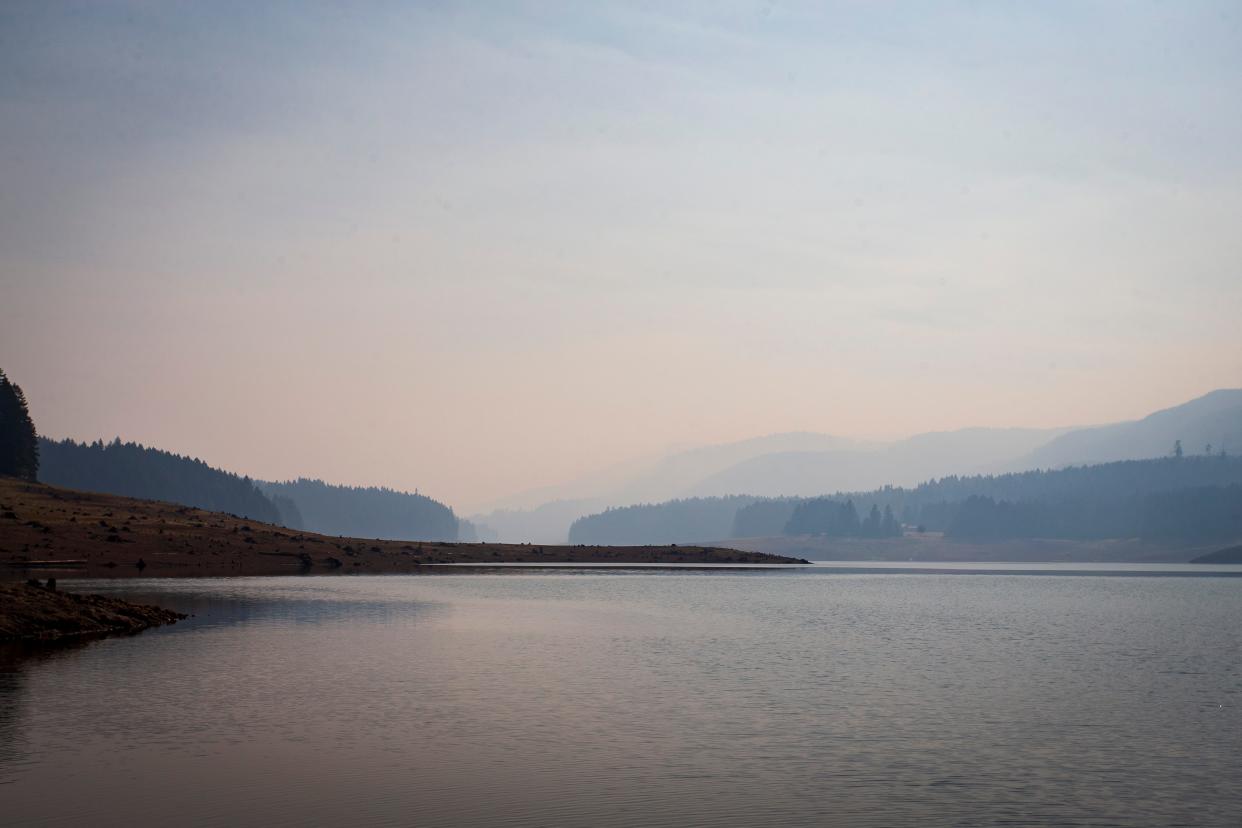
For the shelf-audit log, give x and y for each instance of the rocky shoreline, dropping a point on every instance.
(33, 610)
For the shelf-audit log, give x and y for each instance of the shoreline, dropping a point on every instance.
(933, 547)
(47, 530)
(33, 611)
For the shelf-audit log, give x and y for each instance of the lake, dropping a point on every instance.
(810, 696)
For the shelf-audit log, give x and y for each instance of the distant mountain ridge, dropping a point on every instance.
(1184, 498)
(808, 464)
(544, 515)
(790, 465)
(671, 474)
(1214, 419)
(902, 463)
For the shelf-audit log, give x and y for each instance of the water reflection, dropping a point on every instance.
(214, 602)
(16, 657)
(622, 699)
(12, 745)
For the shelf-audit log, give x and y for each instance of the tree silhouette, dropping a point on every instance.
(889, 527)
(19, 444)
(370, 512)
(1177, 448)
(133, 470)
(1105, 500)
(871, 526)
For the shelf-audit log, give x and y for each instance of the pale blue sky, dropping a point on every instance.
(482, 248)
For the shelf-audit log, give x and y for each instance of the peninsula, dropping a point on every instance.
(67, 533)
(38, 611)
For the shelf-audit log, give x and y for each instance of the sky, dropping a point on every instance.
(474, 249)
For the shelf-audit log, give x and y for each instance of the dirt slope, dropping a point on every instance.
(53, 531)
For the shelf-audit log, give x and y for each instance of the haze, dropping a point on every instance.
(478, 250)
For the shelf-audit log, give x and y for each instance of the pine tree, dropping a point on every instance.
(871, 526)
(850, 525)
(19, 444)
(889, 527)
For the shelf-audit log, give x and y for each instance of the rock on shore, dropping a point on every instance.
(28, 611)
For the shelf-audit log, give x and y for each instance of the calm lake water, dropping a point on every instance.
(549, 698)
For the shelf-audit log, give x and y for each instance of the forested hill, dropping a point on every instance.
(675, 521)
(1104, 500)
(133, 470)
(365, 512)
(1183, 497)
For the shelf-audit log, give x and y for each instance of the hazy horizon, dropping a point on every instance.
(475, 252)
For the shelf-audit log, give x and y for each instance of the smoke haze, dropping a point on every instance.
(478, 251)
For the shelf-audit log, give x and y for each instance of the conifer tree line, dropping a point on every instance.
(19, 442)
(689, 520)
(365, 511)
(1192, 498)
(134, 470)
(837, 519)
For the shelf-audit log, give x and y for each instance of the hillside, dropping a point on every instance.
(901, 463)
(372, 512)
(544, 515)
(1186, 500)
(47, 529)
(135, 470)
(692, 520)
(1232, 555)
(1214, 420)
(809, 465)
(668, 475)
